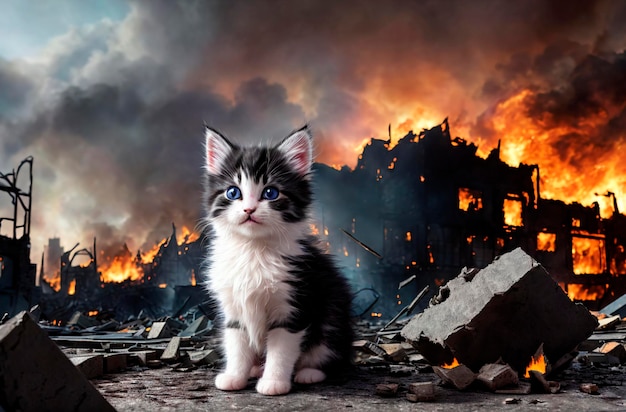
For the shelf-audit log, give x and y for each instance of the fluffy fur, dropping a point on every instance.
(285, 307)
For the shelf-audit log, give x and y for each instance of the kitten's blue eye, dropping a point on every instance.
(233, 193)
(270, 193)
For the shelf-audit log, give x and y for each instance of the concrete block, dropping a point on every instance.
(460, 376)
(171, 352)
(204, 357)
(506, 310)
(421, 392)
(159, 330)
(615, 349)
(36, 376)
(92, 366)
(115, 362)
(496, 376)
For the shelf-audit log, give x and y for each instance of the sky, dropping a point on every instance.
(110, 97)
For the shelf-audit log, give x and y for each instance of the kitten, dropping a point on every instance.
(283, 301)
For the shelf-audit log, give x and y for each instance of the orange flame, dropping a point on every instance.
(120, 269)
(72, 288)
(582, 292)
(536, 364)
(451, 365)
(186, 236)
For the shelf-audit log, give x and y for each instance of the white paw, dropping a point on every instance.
(309, 375)
(271, 387)
(256, 371)
(227, 382)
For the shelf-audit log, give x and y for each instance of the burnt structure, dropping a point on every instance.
(158, 287)
(430, 206)
(17, 273)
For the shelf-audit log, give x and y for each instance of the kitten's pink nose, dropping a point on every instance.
(250, 210)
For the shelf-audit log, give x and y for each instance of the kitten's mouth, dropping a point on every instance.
(250, 219)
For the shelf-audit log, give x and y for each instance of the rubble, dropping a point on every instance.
(421, 392)
(36, 375)
(505, 311)
(460, 376)
(497, 376)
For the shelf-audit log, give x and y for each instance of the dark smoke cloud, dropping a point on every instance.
(113, 112)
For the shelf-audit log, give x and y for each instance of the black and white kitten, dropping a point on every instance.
(285, 306)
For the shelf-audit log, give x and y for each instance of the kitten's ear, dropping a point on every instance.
(217, 150)
(298, 149)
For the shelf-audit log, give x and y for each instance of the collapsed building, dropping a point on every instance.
(429, 206)
(17, 273)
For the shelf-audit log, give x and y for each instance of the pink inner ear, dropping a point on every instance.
(301, 157)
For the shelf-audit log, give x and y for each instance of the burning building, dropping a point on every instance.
(431, 206)
(125, 284)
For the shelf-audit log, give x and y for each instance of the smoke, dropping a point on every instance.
(113, 112)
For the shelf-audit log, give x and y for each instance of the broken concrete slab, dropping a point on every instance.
(92, 366)
(115, 362)
(171, 352)
(496, 376)
(505, 310)
(421, 392)
(159, 330)
(36, 375)
(460, 376)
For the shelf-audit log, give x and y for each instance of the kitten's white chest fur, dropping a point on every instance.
(249, 277)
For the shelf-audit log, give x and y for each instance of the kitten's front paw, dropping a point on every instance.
(271, 387)
(309, 375)
(227, 382)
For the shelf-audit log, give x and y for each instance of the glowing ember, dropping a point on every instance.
(54, 281)
(192, 281)
(92, 313)
(451, 365)
(376, 314)
(536, 364)
(314, 230)
(162, 285)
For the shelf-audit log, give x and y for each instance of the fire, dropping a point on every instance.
(582, 292)
(546, 241)
(451, 365)
(536, 364)
(512, 212)
(469, 200)
(556, 144)
(148, 256)
(588, 255)
(54, 281)
(72, 288)
(162, 285)
(120, 269)
(186, 236)
(92, 313)
(192, 281)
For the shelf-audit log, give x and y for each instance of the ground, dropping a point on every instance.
(167, 389)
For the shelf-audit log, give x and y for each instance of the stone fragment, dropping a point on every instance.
(590, 388)
(171, 352)
(387, 390)
(92, 366)
(522, 388)
(159, 330)
(37, 376)
(421, 392)
(460, 376)
(615, 349)
(115, 362)
(204, 357)
(505, 310)
(496, 376)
